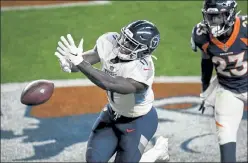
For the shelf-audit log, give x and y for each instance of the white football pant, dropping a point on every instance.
(228, 112)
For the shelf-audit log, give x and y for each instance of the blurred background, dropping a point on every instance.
(29, 37)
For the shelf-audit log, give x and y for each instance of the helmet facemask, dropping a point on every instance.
(128, 48)
(219, 21)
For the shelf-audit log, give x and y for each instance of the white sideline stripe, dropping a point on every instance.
(8, 87)
(176, 100)
(50, 6)
(177, 79)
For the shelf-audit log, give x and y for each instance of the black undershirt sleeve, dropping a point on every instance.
(206, 72)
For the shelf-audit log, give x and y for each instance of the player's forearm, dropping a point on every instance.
(105, 81)
(206, 72)
(91, 56)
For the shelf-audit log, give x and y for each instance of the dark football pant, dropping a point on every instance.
(126, 136)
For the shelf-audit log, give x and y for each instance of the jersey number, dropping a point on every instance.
(200, 29)
(111, 96)
(244, 18)
(240, 65)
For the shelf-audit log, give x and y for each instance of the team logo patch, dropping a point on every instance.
(155, 41)
(111, 69)
(225, 48)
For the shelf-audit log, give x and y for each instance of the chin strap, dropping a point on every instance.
(238, 13)
(154, 57)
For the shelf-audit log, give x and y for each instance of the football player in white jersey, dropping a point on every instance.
(129, 120)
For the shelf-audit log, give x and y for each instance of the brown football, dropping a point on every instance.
(37, 92)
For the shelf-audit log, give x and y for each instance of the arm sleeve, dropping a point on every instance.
(200, 40)
(206, 72)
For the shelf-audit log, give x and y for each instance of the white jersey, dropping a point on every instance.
(129, 105)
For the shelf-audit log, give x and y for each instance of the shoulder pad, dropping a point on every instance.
(105, 44)
(109, 36)
(243, 18)
(200, 34)
(243, 24)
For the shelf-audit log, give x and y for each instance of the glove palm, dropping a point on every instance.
(68, 53)
(69, 50)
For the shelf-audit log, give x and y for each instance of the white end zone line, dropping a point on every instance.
(50, 6)
(8, 87)
(177, 79)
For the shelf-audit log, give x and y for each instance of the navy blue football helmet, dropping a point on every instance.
(137, 40)
(219, 15)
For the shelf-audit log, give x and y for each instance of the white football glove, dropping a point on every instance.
(202, 106)
(69, 50)
(206, 98)
(64, 63)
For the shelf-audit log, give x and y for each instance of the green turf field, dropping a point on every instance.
(29, 38)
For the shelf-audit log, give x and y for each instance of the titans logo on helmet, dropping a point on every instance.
(155, 41)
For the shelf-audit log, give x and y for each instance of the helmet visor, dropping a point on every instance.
(214, 17)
